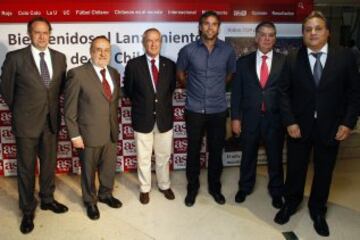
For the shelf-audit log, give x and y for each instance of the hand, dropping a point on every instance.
(78, 142)
(236, 127)
(342, 133)
(294, 131)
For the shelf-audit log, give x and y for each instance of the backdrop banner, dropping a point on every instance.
(75, 25)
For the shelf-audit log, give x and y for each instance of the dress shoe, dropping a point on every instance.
(168, 193)
(190, 198)
(283, 216)
(27, 223)
(92, 211)
(111, 202)
(144, 198)
(277, 202)
(320, 225)
(54, 206)
(240, 196)
(218, 197)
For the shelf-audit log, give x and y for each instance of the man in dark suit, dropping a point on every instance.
(319, 105)
(31, 82)
(255, 113)
(149, 82)
(91, 109)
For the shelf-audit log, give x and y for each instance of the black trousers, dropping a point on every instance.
(196, 126)
(273, 139)
(324, 157)
(28, 149)
(103, 160)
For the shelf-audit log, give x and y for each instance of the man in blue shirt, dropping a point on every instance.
(204, 67)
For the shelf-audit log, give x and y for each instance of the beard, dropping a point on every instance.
(209, 37)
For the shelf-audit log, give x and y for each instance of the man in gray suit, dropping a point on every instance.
(31, 82)
(91, 107)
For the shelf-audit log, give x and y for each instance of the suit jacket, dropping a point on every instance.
(145, 101)
(248, 95)
(26, 95)
(335, 100)
(87, 111)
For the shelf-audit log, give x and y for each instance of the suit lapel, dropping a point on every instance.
(94, 78)
(275, 69)
(114, 81)
(329, 64)
(252, 67)
(31, 65)
(304, 61)
(54, 66)
(146, 73)
(162, 73)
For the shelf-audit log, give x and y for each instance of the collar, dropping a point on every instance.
(150, 58)
(98, 68)
(324, 49)
(201, 42)
(269, 55)
(36, 51)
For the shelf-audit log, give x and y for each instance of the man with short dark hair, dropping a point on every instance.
(255, 113)
(149, 82)
(319, 106)
(91, 115)
(204, 67)
(31, 81)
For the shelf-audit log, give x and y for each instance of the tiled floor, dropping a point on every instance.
(165, 220)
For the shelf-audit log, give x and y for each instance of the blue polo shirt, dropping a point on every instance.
(205, 86)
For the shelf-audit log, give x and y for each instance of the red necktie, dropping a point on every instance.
(155, 72)
(105, 85)
(264, 75)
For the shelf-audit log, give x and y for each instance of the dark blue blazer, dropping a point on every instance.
(145, 101)
(248, 95)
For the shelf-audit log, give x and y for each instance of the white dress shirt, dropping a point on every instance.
(157, 63)
(36, 55)
(107, 75)
(259, 55)
(323, 56)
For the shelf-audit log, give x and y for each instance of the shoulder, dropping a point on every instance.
(56, 53)
(246, 58)
(135, 60)
(19, 53)
(167, 60)
(189, 47)
(225, 46)
(113, 70)
(80, 69)
(341, 51)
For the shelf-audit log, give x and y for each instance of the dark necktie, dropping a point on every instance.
(264, 75)
(317, 68)
(105, 85)
(155, 72)
(44, 71)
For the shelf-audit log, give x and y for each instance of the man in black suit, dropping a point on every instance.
(255, 113)
(149, 82)
(319, 105)
(31, 81)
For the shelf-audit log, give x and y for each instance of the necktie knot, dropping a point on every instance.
(103, 72)
(152, 61)
(42, 55)
(264, 57)
(317, 70)
(316, 55)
